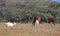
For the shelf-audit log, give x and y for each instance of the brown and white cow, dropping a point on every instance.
(36, 20)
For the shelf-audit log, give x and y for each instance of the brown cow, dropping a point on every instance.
(51, 20)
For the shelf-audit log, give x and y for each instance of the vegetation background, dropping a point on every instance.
(25, 10)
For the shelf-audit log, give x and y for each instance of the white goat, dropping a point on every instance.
(10, 24)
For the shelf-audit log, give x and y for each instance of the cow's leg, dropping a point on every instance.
(53, 23)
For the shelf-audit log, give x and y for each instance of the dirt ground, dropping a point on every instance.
(28, 29)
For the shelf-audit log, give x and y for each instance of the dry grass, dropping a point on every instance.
(29, 30)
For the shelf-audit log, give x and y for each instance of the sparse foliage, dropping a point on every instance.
(25, 12)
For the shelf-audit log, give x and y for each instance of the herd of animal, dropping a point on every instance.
(36, 20)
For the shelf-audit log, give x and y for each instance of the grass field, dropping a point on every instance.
(30, 30)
